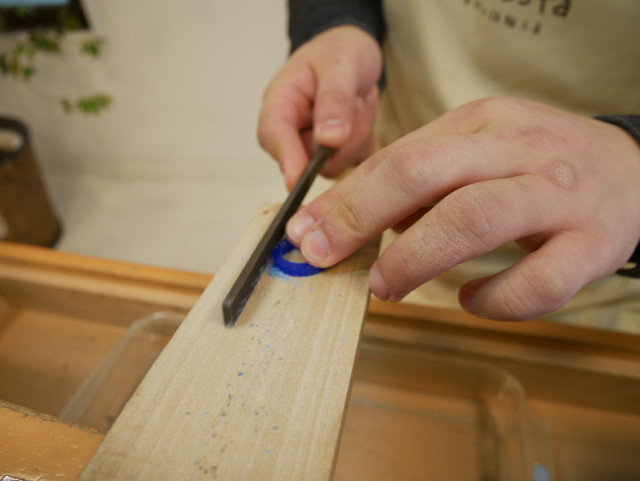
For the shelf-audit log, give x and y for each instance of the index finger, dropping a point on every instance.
(389, 187)
(285, 121)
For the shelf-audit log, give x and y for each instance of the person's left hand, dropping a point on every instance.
(565, 187)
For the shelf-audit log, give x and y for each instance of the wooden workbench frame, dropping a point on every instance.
(603, 367)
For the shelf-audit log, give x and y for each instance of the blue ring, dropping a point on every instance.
(293, 269)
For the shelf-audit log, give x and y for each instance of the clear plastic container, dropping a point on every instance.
(415, 415)
(101, 397)
(412, 415)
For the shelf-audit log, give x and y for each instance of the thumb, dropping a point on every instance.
(335, 104)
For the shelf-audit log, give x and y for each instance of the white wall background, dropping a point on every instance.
(176, 155)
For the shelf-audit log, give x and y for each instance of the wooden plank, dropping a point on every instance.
(93, 293)
(87, 287)
(535, 328)
(34, 446)
(46, 259)
(567, 372)
(264, 400)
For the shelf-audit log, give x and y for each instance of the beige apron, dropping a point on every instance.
(582, 56)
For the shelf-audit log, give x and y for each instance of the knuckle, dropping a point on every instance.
(537, 139)
(543, 290)
(511, 306)
(405, 167)
(488, 106)
(351, 219)
(553, 289)
(490, 109)
(335, 99)
(411, 165)
(548, 288)
(470, 214)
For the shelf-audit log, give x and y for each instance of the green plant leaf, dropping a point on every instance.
(45, 42)
(87, 105)
(92, 47)
(28, 72)
(17, 61)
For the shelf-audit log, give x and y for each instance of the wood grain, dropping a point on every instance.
(34, 446)
(583, 383)
(264, 400)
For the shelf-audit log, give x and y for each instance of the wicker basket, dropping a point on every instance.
(26, 213)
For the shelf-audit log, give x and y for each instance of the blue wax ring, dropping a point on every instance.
(293, 269)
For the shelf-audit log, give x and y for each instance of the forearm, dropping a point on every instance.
(307, 18)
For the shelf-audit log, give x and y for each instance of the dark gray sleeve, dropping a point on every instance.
(630, 123)
(307, 18)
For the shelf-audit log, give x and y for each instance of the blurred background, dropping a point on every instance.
(171, 173)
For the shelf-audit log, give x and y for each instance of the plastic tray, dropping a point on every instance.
(416, 416)
(412, 415)
(99, 400)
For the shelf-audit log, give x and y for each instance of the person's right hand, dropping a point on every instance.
(324, 94)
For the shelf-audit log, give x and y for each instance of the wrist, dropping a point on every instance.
(631, 124)
(308, 19)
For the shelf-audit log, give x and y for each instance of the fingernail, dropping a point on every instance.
(333, 129)
(378, 285)
(315, 246)
(298, 226)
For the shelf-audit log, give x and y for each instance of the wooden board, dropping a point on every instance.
(584, 384)
(264, 400)
(34, 446)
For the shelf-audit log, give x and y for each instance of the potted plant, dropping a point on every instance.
(26, 213)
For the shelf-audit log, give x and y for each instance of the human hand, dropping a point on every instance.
(564, 187)
(324, 94)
